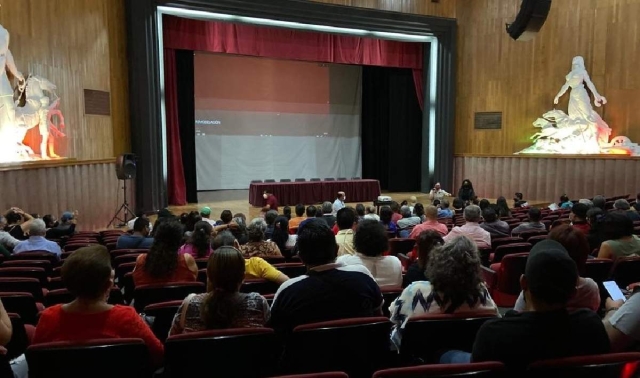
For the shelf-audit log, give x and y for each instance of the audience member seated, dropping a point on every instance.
(6, 240)
(360, 212)
(57, 230)
(281, 235)
(329, 290)
(587, 202)
(413, 201)
(458, 205)
(533, 224)
(619, 239)
(494, 226)
(271, 202)
(518, 201)
(223, 306)
(205, 214)
(595, 217)
(226, 216)
(418, 211)
(139, 239)
(190, 222)
(18, 223)
(575, 243)
(426, 241)
(599, 202)
(395, 210)
(255, 267)
(199, 243)
(565, 203)
(37, 241)
(386, 219)
(327, 214)
(547, 329)
(502, 208)
(637, 204)
(471, 228)
(466, 192)
(455, 285)
(431, 223)
(257, 246)
(270, 219)
(346, 221)
(88, 275)
(623, 205)
(311, 213)
(163, 263)
(370, 242)
(371, 214)
(444, 211)
(483, 204)
(578, 217)
(622, 322)
(286, 212)
(407, 222)
(295, 222)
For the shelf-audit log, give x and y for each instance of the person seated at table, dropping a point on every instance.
(88, 275)
(163, 263)
(270, 201)
(372, 214)
(257, 245)
(222, 306)
(139, 239)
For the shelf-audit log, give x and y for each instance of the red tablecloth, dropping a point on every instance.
(310, 192)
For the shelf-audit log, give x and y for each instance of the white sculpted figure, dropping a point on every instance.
(582, 131)
(7, 105)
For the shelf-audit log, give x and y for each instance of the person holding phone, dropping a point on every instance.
(622, 323)
(437, 193)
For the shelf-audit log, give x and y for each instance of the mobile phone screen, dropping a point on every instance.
(613, 290)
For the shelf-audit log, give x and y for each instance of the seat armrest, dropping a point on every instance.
(490, 277)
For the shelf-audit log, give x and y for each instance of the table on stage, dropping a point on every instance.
(311, 192)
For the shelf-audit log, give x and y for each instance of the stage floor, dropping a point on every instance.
(238, 202)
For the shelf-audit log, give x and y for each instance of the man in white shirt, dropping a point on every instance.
(339, 203)
(471, 228)
(437, 193)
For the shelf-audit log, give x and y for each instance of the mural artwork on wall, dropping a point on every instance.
(582, 131)
(32, 103)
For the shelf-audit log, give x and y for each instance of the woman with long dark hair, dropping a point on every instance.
(163, 263)
(199, 243)
(426, 242)
(386, 219)
(455, 285)
(466, 192)
(223, 306)
(503, 208)
(280, 234)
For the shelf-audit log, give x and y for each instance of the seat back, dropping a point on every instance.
(401, 245)
(510, 249)
(19, 340)
(598, 269)
(596, 366)
(149, 294)
(22, 284)
(36, 255)
(122, 358)
(226, 346)
(22, 304)
(511, 268)
(38, 273)
(528, 234)
(448, 331)
(533, 240)
(312, 347)
(259, 286)
(625, 270)
(389, 295)
(44, 264)
(292, 270)
(475, 370)
(163, 314)
(61, 296)
(495, 243)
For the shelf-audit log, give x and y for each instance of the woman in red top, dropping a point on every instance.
(88, 275)
(163, 263)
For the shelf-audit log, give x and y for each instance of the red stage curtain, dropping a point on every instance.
(176, 186)
(279, 43)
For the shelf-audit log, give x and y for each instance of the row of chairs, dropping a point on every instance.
(304, 180)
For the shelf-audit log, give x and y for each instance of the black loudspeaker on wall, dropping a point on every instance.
(126, 166)
(533, 14)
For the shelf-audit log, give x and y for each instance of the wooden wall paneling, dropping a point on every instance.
(545, 179)
(76, 45)
(91, 188)
(520, 79)
(445, 8)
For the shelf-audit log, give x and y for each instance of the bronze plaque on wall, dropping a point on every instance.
(488, 120)
(97, 102)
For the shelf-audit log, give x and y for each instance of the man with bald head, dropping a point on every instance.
(437, 193)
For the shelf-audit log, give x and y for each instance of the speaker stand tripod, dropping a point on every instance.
(124, 209)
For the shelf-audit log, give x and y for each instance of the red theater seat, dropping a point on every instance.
(623, 365)
(475, 370)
